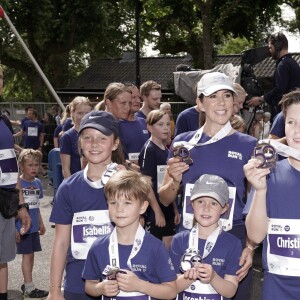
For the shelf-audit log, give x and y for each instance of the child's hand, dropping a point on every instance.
(206, 273)
(177, 218)
(108, 288)
(42, 229)
(160, 220)
(18, 237)
(128, 282)
(256, 176)
(191, 274)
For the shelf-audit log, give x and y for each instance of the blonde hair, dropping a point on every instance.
(114, 89)
(27, 154)
(77, 101)
(154, 116)
(100, 105)
(148, 86)
(130, 184)
(238, 88)
(238, 123)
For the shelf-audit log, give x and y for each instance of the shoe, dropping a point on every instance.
(35, 294)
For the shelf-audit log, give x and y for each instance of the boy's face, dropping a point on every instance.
(292, 126)
(30, 168)
(207, 211)
(126, 213)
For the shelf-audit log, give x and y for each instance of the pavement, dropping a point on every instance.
(41, 267)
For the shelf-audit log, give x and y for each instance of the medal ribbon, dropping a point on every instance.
(114, 250)
(223, 132)
(284, 150)
(209, 243)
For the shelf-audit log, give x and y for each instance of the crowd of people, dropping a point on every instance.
(157, 207)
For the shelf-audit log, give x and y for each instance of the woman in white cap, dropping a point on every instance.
(215, 148)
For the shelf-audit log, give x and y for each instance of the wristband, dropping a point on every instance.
(23, 205)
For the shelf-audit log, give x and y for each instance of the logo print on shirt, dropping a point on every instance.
(235, 155)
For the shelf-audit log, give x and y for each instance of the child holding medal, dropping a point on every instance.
(80, 208)
(129, 263)
(274, 215)
(215, 148)
(209, 267)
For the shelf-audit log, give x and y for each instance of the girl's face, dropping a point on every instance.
(79, 112)
(96, 146)
(30, 168)
(292, 126)
(207, 211)
(218, 107)
(161, 129)
(120, 106)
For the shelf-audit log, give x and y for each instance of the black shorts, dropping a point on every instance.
(160, 232)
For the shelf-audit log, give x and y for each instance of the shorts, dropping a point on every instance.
(29, 243)
(160, 232)
(7, 240)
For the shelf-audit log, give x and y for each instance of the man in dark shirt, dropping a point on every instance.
(286, 76)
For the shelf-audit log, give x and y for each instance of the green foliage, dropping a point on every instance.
(235, 45)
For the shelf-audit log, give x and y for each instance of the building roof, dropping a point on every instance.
(104, 71)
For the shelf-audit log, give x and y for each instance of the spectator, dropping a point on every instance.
(239, 98)
(286, 75)
(29, 243)
(117, 99)
(151, 95)
(133, 131)
(266, 124)
(49, 125)
(70, 158)
(187, 120)
(9, 181)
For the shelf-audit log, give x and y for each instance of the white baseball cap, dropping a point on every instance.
(213, 82)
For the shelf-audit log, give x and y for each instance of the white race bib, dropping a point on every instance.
(283, 247)
(86, 227)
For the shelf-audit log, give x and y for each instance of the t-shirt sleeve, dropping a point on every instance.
(176, 252)
(232, 265)
(91, 270)
(65, 144)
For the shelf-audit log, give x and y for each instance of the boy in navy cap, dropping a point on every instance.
(207, 258)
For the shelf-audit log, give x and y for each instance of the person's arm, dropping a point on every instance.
(55, 142)
(42, 228)
(41, 140)
(160, 220)
(23, 214)
(257, 218)
(172, 180)
(66, 165)
(20, 133)
(60, 247)
(129, 282)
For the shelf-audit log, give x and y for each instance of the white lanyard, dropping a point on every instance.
(110, 170)
(114, 250)
(223, 132)
(285, 150)
(209, 243)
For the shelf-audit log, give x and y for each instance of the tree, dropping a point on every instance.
(55, 32)
(198, 26)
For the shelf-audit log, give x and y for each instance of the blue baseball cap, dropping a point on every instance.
(103, 121)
